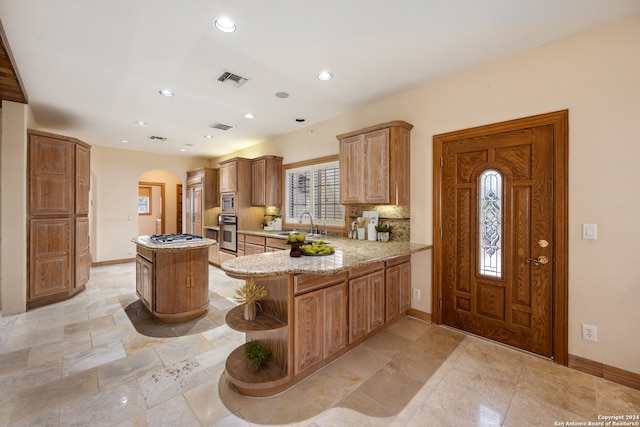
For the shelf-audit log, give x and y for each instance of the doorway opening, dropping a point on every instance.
(157, 203)
(501, 232)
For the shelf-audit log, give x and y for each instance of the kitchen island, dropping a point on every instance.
(172, 279)
(317, 307)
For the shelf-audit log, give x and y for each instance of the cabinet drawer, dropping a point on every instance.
(309, 282)
(277, 243)
(256, 240)
(145, 252)
(398, 260)
(370, 268)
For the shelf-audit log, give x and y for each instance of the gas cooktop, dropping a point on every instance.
(174, 238)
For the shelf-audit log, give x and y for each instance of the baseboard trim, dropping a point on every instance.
(611, 373)
(112, 262)
(421, 315)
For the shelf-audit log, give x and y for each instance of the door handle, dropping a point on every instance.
(537, 261)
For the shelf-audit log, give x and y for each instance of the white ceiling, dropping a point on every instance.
(93, 68)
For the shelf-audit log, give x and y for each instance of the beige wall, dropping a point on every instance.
(16, 119)
(595, 76)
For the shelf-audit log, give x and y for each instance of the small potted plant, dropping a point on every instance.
(249, 294)
(257, 355)
(383, 231)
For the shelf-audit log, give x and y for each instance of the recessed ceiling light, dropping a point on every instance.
(166, 92)
(225, 24)
(282, 95)
(140, 123)
(325, 75)
(249, 116)
(124, 141)
(183, 149)
(208, 136)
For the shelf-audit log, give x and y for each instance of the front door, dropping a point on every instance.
(498, 243)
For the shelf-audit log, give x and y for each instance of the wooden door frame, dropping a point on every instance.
(560, 273)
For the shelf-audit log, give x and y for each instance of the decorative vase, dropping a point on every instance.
(383, 236)
(250, 311)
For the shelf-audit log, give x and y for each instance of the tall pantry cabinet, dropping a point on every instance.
(57, 213)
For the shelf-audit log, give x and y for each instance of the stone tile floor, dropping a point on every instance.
(99, 360)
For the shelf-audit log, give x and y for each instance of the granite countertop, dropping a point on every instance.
(349, 254)
(150, 244)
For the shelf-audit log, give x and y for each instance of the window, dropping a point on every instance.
(314, 188)
(490, 207)
(144, 200)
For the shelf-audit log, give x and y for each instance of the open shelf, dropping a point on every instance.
(253, 383)
(262, 323)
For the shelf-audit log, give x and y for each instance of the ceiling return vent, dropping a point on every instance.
(232, 79)
(157, 138)
(222, 126)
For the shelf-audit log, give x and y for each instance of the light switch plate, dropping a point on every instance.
(589, 231)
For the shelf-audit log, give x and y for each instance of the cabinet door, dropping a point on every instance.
(197, 211)
(405, 286)
(335, 318)
(172, 282)
(144, 281)
(376, 299)
(214, 254)
(251, 249)
(393, 292)
(376, 167)
(351, 173)
(228, 177)
(83, 175)
(358, 308)
(50, 256)
(258, 182)
(83, 256)
(51, 176)
(308, 336)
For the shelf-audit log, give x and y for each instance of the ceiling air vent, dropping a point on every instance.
(157, 138)
(232, 79)
(222, 126)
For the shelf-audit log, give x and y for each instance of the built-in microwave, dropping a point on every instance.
(228, 204)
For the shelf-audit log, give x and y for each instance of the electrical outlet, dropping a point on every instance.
(589, 332)
(129, 251)
(416, 293)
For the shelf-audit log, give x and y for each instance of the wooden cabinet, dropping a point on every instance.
(320, 323)
(374, 165)
(308, 320)
(58, 175)
(273, 244)
(398, 287)
(266, 181)
(366, 300)
(201, 197)
(173, 284)
(144, 280)
(253, 244)
(235, 177)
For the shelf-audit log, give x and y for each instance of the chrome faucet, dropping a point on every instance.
(310, 221)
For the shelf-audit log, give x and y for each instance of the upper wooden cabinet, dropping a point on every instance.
(235, 175)
(202, 195)
(266, 181)
(375, 165)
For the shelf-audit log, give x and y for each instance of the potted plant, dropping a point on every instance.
(249, 294)
(383, 231)
(257, 354)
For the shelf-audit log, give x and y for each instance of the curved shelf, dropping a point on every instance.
(253, 383)
(262, 323)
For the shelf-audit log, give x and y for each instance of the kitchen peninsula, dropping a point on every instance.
(317, 307)
(172, 278)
